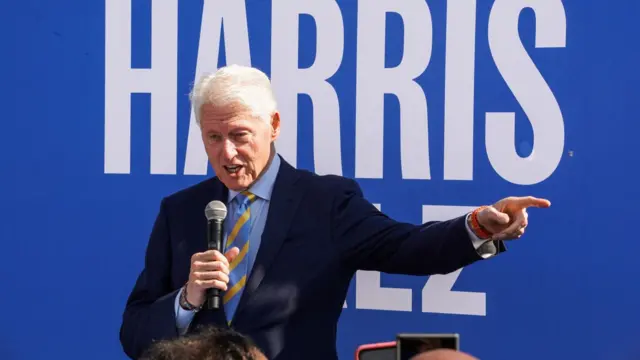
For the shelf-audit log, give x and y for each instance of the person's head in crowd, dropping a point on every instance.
(207, 344)
(443, 354)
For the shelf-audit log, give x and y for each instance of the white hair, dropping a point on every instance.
(235, 84)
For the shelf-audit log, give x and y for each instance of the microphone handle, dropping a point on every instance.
(214, 242)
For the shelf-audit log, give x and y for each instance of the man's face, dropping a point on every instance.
(237, 143)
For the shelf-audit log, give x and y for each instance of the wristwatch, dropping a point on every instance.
(185, 304)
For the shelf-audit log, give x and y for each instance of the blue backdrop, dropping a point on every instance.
(78, 203)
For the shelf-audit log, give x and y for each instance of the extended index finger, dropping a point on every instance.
(530, 201)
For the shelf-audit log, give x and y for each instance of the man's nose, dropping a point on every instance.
(229, 150)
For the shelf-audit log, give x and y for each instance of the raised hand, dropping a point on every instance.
(508, 218)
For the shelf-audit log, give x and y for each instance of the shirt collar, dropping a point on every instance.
(264, 186)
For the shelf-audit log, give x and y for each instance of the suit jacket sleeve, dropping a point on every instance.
(369, 240)
(149, 314)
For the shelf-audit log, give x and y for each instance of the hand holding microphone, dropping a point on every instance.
(209, 274)
(209, 270)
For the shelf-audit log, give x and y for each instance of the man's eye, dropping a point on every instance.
(215, 137)
(242, 135)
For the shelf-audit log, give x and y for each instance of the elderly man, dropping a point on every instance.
(293, 239)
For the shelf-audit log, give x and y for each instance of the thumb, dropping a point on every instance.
(232, 253)
(498, 217)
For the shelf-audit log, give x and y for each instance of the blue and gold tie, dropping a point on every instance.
(238, 237)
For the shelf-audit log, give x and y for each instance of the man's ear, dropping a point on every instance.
(275, 126)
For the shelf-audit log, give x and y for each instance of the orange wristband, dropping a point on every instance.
(478, 229)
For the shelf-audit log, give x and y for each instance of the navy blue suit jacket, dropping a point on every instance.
(319, 232)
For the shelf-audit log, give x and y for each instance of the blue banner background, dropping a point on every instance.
(73, 237)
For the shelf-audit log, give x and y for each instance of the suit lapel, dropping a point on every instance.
(285, 199)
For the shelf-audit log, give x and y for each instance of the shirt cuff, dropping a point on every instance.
(485, 248)
(183, 317)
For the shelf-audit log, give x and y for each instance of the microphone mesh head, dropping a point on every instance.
(215, 210)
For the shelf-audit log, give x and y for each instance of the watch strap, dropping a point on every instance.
(185, 304)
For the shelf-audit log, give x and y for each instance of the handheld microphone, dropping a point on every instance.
(215, 212)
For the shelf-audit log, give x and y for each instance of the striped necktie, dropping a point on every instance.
(238, 237)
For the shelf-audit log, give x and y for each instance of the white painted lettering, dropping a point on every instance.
(374, 80)
(289, 81)
(530, 89)
(459, 89)
(121, 81)
(236, 40)
(437, 296)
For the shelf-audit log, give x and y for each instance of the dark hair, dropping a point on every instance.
(206, 344)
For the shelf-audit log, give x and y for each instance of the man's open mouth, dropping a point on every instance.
(232, 169)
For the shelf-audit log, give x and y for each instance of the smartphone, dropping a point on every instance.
(410, 345)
